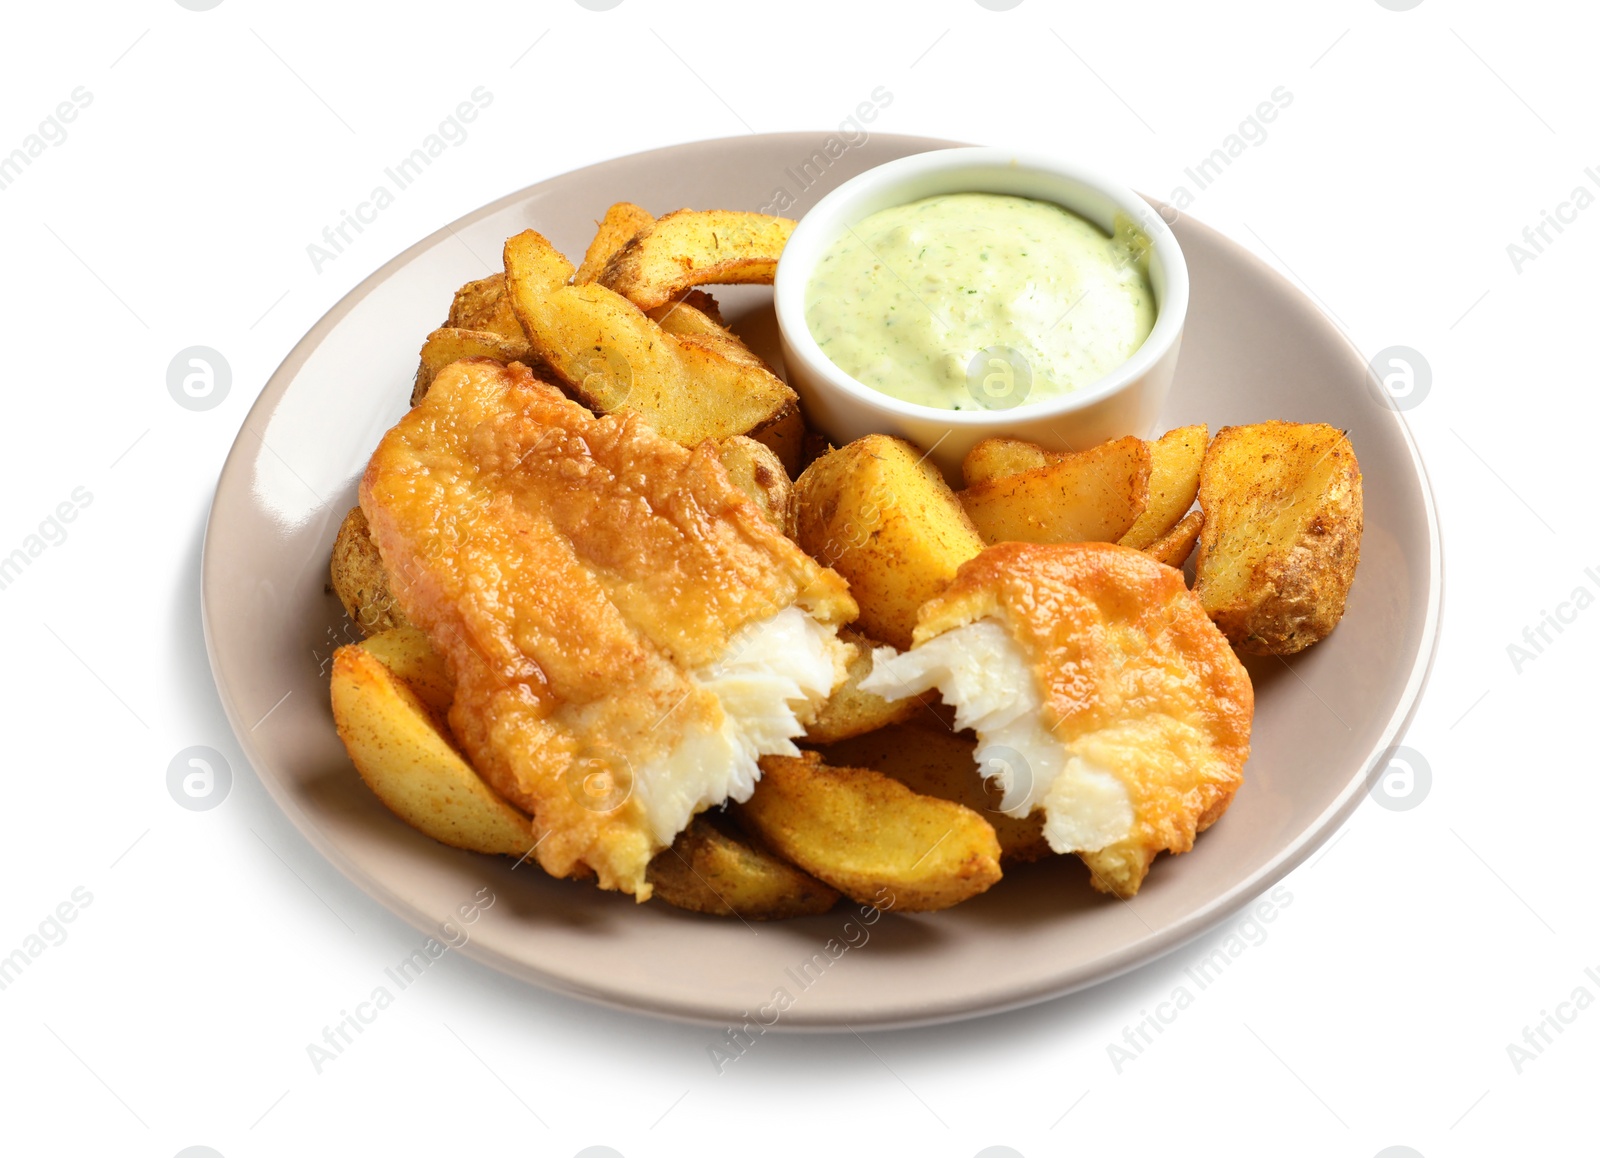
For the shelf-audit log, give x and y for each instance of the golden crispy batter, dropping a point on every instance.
(572, 570)
(1133, 674)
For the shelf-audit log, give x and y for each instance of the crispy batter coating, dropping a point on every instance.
(1133, 675)
(572, 570)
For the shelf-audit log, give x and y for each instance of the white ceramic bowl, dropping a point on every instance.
(1126, 401)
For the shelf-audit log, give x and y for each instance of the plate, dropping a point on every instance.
(1254, 348)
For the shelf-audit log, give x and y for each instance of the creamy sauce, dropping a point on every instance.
(974, 301)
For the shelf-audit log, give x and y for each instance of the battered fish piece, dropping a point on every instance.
(627, 632)
(1101, 693)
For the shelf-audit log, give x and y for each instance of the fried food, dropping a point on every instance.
(618, 227)
(447, 344)
(1098, 688)
(994, 458)
(933, 759)
(1093, 496)
(483, 305)
(871, 837)
(359, 580)
(401, 749)
(697, 247)
(1175, 547)
(1282, 537)
(709, 870)
(756, 470)
(1175, 460)
(882, 516)
(612, 357)
(408, 655)
(625, 630)
(851, 711)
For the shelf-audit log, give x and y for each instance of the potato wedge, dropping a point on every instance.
(697, 247)
(447, 345)
(408, 655)
(995, 458)
(612, 357)
(359, 579)
(1175, 460)
(402, 753)
(882, 516)
(934, 760)
(483, 305)
(756, 470)
(618, 227)
(849, 711)
(871, 837)
(1093, 496)
(1282, 535)
(1175, 547)
(708, 870)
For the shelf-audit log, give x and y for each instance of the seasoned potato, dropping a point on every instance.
(406, 652)
(1092, 496)
(618, 227)
(851, 711)
(612, 357)
(935, 760)
(755, 469)
(483, 305)
(1175, 547)
(995, 458)
(401, 750)
(1175, 460)
(1282, 535)
(707, 870)
(447, 345)
(883, 517)
(697, 247)
(871, 837)
(359, 579)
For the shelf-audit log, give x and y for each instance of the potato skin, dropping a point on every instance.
(709, 870)
(849, 711)
(358, 578)
(1282, 534)
(871, 837)
(883, 517)
(931, 758)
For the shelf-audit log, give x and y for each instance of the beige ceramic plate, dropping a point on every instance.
(1254, 348)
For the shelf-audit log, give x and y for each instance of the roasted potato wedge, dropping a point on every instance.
(850, 711)
(483, 305)
(756, 470)
(995, 458)
(408, 655)
(359, 579)
(401, 750)
(934, 760)
(1093, 496)
(612, 357)
(871, 837)
(708, 870)
(1282, 535)
(447, 345)
(618, 227)
(1175, 460)
(1175, 547)
(697, 247)
(882, 516)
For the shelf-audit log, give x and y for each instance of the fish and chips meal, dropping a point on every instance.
(628, 617)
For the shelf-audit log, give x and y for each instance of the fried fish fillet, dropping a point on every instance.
(1101, 693)
(627, 632)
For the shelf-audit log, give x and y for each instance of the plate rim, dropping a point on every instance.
(1173, 937)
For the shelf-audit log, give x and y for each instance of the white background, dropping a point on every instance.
(1378, 1010)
